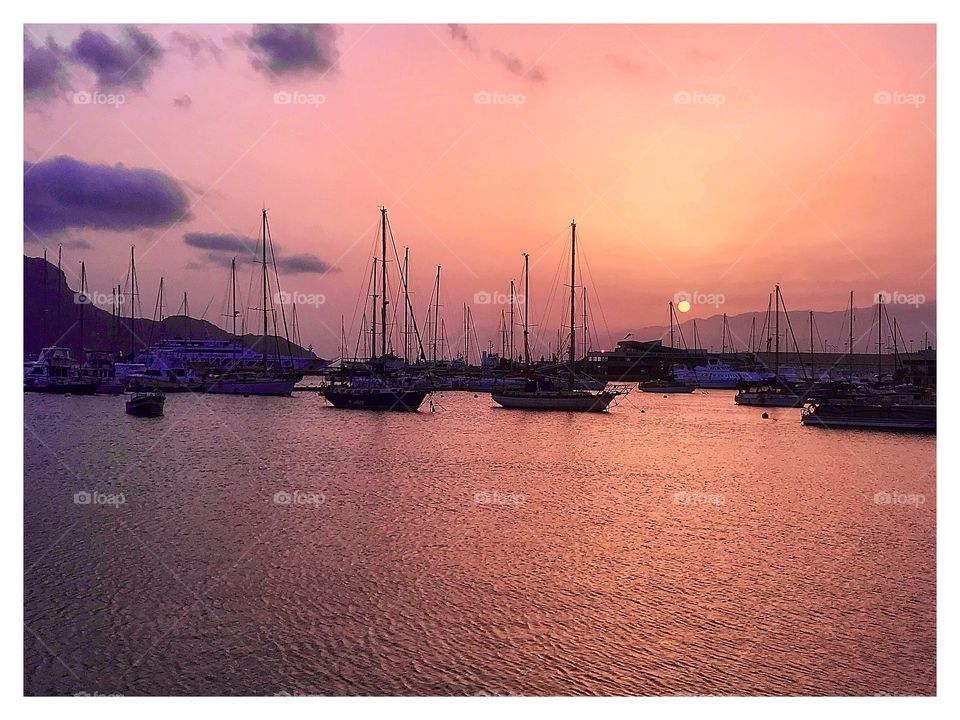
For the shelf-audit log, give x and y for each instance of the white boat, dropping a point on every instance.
(57, 371)
(717, 375)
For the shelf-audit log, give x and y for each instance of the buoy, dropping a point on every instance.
(475, 395)
(765, 416)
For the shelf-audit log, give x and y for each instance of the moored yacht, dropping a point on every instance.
(57, 371)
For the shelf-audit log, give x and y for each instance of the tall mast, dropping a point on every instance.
(436, 317)
(373, 313)
(670, 308)
(573, 292)
(383, 286)
(776, 357)
(526, 308)
(753, 334)
(133, 295)
(850, 346)
(406, 309)
(723, 335)
(586, 335)
(879, 336)
(43, 316)
(263, 230)
(83, 301)
(696, 338)
(811, 341)
(59, 286)
(513, 294)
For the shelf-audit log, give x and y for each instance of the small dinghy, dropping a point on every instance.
(146, 404)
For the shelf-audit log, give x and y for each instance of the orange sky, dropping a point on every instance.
(784, 166)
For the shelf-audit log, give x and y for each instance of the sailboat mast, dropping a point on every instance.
(436, 317)
(373, 313)
(723, 335)
(776, 356)
(526, 308)
(670, 308)
(811, 341)
(133, 290)
(263, 230)
(879, 336)
(573, 292)
(406, 306)
(383, 286)
(586, 335)
(850, 345)
(83, 301)
(59, 286)
(513, 295)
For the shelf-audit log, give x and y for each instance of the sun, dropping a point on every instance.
(683, 306)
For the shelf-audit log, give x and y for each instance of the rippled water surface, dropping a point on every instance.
(675, 545)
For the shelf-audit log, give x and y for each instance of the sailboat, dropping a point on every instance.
(377, 392)
(237, 382)
(545, 393)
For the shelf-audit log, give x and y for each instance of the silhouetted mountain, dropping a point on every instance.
(831, 329)
(52, 316)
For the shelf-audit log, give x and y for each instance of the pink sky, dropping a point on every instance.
(784, 167)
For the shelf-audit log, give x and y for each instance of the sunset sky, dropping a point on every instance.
(698, 159)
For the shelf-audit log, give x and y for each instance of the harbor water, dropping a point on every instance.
(676, 545)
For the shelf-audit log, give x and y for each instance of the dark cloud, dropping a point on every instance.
(197, 47)
(304, 263)
(515, 65)
(126, 62)
(222, 243)
(282, 49)
(64, 193)
(221, 247)
(183, 102)
(462, 35)
(43, 71)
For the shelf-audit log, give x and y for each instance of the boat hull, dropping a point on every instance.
(148, 406)
(895, 418)
(568, 402)
(64, 388)
(384, 400)
(253, 386)
(667, 390)
(753, 400)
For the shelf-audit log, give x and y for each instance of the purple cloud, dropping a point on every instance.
(304, 263)
(126, 62)
(64, 193)
(43, 72)
(515, 65)
(222, 242)
(282, 49)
